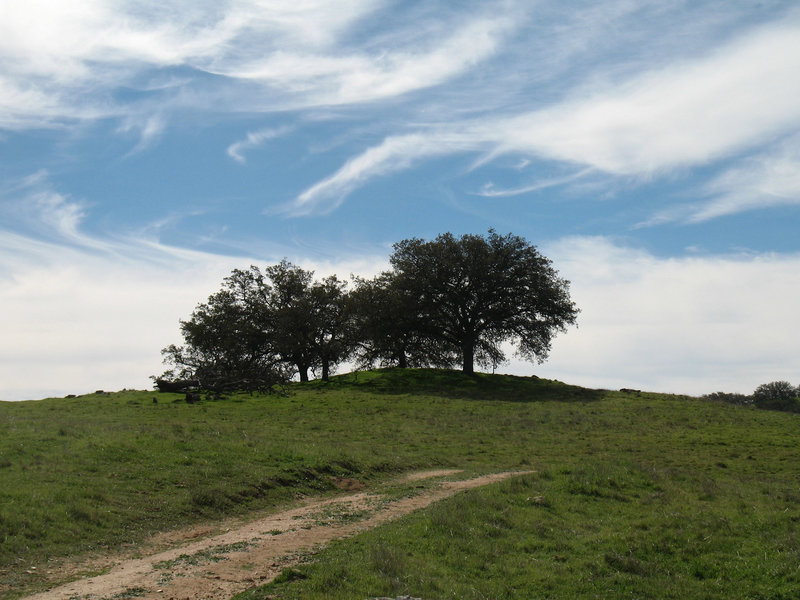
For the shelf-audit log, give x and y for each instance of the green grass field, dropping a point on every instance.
(635, 495)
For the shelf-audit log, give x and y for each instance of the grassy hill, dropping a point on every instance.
(637, 494)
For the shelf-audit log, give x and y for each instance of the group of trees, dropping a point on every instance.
(444, 302)
(776, 395)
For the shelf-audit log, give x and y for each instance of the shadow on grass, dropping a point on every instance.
(455, 384)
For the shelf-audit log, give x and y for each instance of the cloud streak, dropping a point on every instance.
(64, 63)
(358, 76)
(490, 191)
(768, 179)
(393, 154)
(253, 140)
(691, 113)
(688, 113)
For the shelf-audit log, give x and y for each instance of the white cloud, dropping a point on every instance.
(393, 154)
(490, 191)
(361, 76)
(684, 114)
(149, 128)
(82, 312)
(64, 61)
(770, 179)
(34, 205)
(254, 139)
(687, 113)
(75, 320)
(684, 325)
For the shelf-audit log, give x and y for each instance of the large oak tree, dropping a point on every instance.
(476, 292)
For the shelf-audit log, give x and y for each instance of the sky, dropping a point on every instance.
(651, 150)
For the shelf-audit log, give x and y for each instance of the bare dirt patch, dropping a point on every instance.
(419, 475)
(216, 562)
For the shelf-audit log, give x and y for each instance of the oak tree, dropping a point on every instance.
(475, 292)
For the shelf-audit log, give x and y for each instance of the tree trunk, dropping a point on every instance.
(402, 361)
(468, 351)
(303, 370)
(326, 370)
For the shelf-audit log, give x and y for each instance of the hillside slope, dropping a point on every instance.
(90, 475)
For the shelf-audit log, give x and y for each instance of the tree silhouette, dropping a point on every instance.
(472, 293)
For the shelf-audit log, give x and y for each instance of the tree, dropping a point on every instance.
(329, 316)
(308, 323)
(386, 327)
(262, 326)
(475, 292)
(289, 321)
(225, 346)
(777, 395)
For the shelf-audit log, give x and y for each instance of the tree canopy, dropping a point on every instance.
(261, 328)
(387, 327)
(444, 302)
(472, 293)
(226, 345)
(777, 395)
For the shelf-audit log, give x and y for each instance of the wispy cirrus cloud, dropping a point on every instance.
(393, 154)
(253, 140)
(489, 190)
(763, 180)
(395, 67)
(768, 179)
(32, 204)
(62, 62)
(688, 113)
(149, 128)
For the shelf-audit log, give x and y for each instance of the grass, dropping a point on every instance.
(630, 485)
(599, 531)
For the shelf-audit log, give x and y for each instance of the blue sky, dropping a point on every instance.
(650, 149)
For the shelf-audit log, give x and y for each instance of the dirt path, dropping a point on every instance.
(220, 565)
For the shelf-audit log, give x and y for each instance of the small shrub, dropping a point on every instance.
(730, 398)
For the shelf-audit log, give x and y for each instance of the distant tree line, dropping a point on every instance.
(445, 302)
(776, 395)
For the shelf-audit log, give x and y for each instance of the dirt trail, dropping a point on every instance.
(218, 566)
